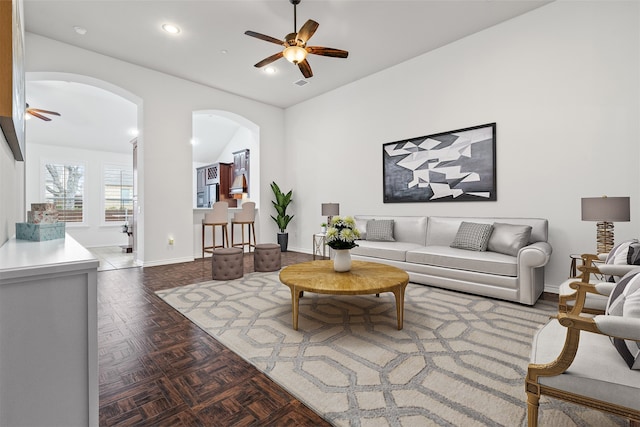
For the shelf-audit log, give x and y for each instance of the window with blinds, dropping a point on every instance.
(118, 193)
(64, 186)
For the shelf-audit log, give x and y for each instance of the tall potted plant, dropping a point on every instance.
(280, 204)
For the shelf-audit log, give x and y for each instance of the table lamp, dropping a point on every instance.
(329, 210)
(605, 210)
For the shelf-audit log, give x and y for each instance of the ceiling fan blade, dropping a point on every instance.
(305, 68)
(307, 30)
(44, 111)
(268, 60)
(264, 37)
(40, 116)
(327, 51)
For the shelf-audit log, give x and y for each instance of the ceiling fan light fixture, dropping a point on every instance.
(171, 29)
(294, 54)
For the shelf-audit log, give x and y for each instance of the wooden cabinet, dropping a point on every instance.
(241, 167)
(224, 188)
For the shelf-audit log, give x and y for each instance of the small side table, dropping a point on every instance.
(320, 245)
(573, 267)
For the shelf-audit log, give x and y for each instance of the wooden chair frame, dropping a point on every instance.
(587, 268)
(574, 324)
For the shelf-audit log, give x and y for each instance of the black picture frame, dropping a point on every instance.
(453, 166)
(12, 80)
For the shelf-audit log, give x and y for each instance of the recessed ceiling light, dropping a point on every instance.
(193, 141)
(80, 30)
(224, 51)
(170, 28)
(269, 70)
(133, 132)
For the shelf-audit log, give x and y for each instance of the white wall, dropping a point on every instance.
(93, 232)
(11, 192)
(245, 138)
(562, 83)
(165, 164)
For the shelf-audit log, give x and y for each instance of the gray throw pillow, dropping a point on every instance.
(633, 257)
(624, 301)
(508, 239)
(618, 255)
(380, 229)
(472, 236)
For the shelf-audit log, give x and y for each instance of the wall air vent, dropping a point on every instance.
(300, 82)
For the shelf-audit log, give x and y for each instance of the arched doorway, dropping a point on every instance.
(94, 133)
(221, 137)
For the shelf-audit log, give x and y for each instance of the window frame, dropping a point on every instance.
(43, 186)
(103, 196)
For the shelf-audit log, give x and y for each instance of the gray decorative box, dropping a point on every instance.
(39, 232)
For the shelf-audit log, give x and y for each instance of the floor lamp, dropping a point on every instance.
(605, 210)
(329, 210)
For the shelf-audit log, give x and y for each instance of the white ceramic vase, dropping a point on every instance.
(342, 260)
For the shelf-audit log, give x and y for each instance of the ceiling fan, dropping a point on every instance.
(36, 112)
(295, 45)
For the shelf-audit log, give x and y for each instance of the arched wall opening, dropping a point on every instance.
(79, 135)
(217, 137)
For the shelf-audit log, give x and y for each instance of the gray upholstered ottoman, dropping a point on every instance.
(266, 257)
(227, 263)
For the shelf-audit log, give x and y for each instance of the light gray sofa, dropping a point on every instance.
(421, 247)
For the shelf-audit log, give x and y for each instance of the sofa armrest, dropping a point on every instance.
(534, 255)
(616, 269)
(619, 327)
(530, 276)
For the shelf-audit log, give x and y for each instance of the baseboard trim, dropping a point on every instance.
(166, 261)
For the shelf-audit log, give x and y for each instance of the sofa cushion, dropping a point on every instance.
(508, 239)
(408, 229)
(380, 230)
(393, 251)
(441, 230)
(460, 259)
(472, 236)
(624, 301)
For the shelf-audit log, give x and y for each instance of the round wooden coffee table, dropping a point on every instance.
(363, 278)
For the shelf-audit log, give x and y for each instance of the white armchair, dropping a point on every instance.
(598, 276)
(591, 360)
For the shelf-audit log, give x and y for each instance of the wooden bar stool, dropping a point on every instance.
(219, 216)
(246, 217)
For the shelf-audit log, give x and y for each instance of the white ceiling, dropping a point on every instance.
(90, 118)
(378, 34)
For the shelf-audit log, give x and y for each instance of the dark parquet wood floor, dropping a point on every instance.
(157, 368)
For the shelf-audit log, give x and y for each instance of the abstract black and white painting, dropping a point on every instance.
(458, 165)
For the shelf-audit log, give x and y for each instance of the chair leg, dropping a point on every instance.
(253, 229)
(533, 402)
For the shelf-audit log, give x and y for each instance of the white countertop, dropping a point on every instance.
(21, 258)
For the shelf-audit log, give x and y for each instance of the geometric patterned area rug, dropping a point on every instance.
(460, 360)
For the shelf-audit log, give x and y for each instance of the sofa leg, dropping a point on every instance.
(532, 409)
